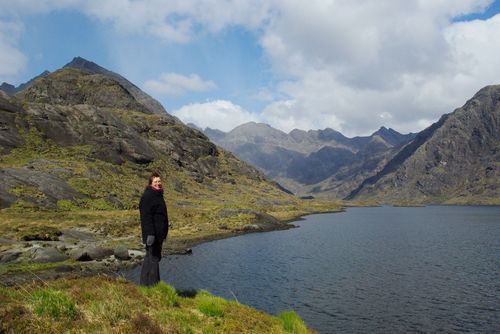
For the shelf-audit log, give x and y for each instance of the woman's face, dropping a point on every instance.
(156, 183)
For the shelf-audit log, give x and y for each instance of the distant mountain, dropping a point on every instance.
(311, 162)
(455, 160)
(11, 89)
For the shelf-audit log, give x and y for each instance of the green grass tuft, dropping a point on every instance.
(53, 303)
(164, 293)
(210, 305)
(292, 322)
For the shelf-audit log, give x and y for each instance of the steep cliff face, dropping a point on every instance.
(79, 139)
(456, 160)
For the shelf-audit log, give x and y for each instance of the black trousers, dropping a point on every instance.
(150, 271)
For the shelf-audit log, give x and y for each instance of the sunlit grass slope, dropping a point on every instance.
(108, 305)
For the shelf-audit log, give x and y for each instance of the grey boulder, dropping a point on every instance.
(121, 252)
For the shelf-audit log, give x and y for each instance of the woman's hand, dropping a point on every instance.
(150, 240)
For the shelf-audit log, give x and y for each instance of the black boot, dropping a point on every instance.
(150, 272)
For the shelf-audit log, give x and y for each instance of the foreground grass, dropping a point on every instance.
(108, 305)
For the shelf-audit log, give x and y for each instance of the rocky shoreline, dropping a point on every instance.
(81, 253)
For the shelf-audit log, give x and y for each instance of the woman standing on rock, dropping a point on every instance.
(154, 225)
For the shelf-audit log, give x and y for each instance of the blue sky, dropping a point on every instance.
(308, 65)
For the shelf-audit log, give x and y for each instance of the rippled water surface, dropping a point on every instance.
(365, 270)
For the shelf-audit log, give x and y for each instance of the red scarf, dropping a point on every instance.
(158, 190)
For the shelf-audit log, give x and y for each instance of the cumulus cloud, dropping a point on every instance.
(353, 66)
(174, 21)
(220, 114)
(173, 84)
(12, 60)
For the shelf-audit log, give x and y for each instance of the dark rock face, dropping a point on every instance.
(311, 162)
(42, 189)
(113, 139)
(9, 133)
(454, 160)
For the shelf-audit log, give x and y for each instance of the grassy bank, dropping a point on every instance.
(109, 305)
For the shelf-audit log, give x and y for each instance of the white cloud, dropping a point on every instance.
(220, 114)
(173, 84)
(347, 63)
(175, 21)
(353, 66)
(12, 60)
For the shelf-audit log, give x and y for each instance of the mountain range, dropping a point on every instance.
(455, 160)
(84, 137)
(314, 162)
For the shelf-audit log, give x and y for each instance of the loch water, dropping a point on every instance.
(367, 270)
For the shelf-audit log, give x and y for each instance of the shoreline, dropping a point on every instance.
(175, 246)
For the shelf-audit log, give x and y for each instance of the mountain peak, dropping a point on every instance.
(382, 131)
(85, 65)
(392, 136)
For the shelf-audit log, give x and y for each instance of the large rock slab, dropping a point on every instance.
(41, 188)
(46, 255)
(7, 257)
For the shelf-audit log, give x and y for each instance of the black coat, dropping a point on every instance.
(154, 217)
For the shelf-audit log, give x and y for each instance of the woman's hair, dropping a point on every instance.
(152, 176)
